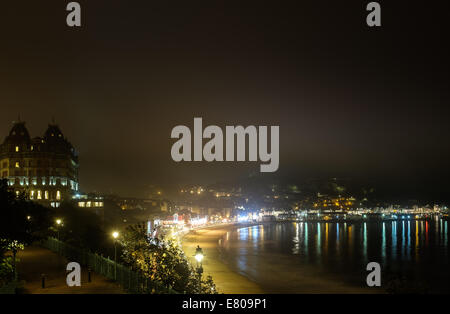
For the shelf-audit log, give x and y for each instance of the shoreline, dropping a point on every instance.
(231, 281)
(227, 280)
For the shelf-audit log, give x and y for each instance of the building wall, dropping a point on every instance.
(44, 168)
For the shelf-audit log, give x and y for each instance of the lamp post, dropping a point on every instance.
(58, 224)
(14, 246)
(115, 235)
(199, 258)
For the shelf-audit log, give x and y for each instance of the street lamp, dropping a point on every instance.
(199, 257)
(14, 246)
(115, 235)
(58, 224)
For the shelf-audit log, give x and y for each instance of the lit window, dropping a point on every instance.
(32, 194)
(80, 204)
(17, 164)
(17, 148)
(17, 193)
(39, 195)
(31, 147)
(46, 195)
(58, 195)
(88, 204)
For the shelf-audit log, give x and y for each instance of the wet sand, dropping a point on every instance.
(273, 274)
(226, 279)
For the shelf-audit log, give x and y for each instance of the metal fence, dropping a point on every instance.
(131, 281)
(10, 287)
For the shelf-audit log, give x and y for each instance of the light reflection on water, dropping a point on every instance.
(319, 242)
(383, 243)
(418, 249)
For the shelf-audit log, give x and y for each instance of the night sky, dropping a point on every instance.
(351, 101)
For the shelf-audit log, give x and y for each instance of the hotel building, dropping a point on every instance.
(44, 168)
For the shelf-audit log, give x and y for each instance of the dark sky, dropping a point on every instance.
(350, 100)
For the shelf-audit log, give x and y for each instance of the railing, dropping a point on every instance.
(131, 281)
(10, 287)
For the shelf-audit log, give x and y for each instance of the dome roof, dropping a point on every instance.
(18, 134)
(53, 133)
(55, 141)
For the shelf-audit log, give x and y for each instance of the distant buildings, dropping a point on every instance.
(44, 168)
(92, 201)
(151, 205)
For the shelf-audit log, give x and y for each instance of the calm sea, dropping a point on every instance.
(300, 257)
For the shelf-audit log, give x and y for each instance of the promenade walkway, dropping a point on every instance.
(35, 260)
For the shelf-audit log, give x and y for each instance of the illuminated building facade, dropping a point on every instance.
(44, 168)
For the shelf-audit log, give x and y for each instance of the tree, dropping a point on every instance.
(21, 223)
(20, 219)
(81, 228)
(162, 261)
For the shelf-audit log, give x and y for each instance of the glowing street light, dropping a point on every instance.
(115, 235)
(199, 257)
(58, 225)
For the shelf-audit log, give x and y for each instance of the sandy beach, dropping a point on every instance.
(278, 276)
(226, 279)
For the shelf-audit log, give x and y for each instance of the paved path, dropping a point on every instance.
(34, 261)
